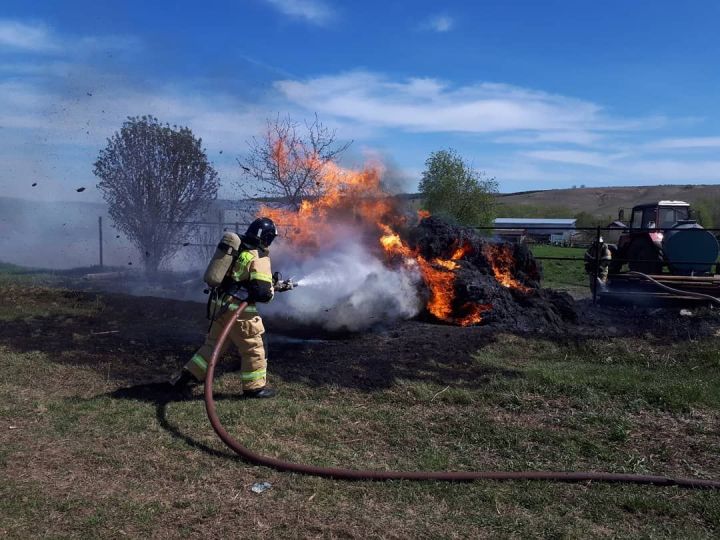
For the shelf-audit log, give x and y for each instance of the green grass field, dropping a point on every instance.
(562, 274)
(86, 453)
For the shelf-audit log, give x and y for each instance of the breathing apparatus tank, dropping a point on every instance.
(223, 258)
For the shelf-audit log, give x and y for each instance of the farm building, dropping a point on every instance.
(558, 231)
(616, 229)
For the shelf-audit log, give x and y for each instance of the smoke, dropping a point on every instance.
(345, 287)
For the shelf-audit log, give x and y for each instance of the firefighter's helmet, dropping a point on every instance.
(261, 232)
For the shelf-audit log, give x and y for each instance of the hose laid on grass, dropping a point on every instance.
(676, 291)
(451, 476)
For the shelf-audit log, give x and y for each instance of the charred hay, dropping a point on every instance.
(526, 307)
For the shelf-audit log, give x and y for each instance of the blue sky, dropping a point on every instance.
(538, 94)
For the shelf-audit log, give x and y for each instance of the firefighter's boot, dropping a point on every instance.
(260, 393)
(183, 379)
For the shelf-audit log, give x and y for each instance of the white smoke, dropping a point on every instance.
(345, 287)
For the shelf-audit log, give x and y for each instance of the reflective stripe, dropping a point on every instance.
(197, 366)
(261, 276)
(233, 307)
(253, 375)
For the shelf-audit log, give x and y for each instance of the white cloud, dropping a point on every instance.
(686, 143)
(430, 105)
(28, 37)
(38, 38)
(438, 23)
(619, 167)
(313, 11)
(52, 134)
(580, 138)
(666, 170)
(592, 159)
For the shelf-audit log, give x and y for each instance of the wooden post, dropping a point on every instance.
(596, 271)
(101, 239)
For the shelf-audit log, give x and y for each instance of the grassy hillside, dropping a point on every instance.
(605, 201)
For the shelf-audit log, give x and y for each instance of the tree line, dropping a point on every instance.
(155, 177)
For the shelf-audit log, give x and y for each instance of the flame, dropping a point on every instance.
(354, 196)
(357, 197)
(439, 276)
(502, 262)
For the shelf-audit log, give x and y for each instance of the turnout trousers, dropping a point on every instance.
(247, 336)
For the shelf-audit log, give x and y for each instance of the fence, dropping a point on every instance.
(597, 234)
(204, 234)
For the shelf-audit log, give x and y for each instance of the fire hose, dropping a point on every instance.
(676, 291)
(448, 476)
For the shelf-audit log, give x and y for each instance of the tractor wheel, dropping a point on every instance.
(644, 256)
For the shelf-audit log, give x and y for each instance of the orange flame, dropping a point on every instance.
(357, 197)
(502, 262)
(354, 196)
(439, 276)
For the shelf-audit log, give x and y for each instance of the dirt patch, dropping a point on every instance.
(155, 336)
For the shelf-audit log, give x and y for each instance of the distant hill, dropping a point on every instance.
(605, 201)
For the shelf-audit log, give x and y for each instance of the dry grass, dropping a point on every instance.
(88, 451)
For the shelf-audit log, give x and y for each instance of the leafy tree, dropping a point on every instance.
(287, 163)
(154, 177)
(452, 188)
(586, 219)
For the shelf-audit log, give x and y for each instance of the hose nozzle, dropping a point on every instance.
(282, 285)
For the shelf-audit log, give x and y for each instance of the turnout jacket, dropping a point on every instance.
(252, 273)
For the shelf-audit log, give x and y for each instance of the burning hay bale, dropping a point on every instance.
(360, 264)
(471, 279)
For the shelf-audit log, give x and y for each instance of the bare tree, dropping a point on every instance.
(154, 177)
(288, 163)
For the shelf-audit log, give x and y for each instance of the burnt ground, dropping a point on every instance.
(150, 334)
(90, 447)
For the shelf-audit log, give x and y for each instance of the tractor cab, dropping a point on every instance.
(660, 215)
(641, 245)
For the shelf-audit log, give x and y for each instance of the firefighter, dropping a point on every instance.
(598, 253)
(249, 278)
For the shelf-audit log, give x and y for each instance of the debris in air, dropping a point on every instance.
(34, 184)
(260, 487)
(186, 244)
(80, 189)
